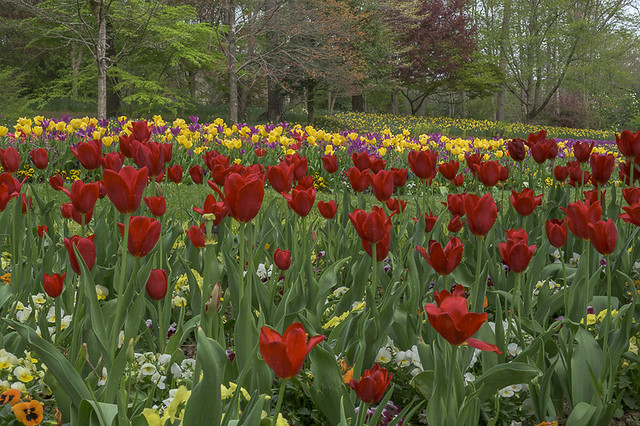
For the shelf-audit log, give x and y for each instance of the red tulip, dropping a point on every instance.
(362, 160)
(592, 196)
(157, 205)
(372, 385)
(168, 151)
(53, 284)
(629, 143)
(423, 163)
(516, 252)
(544, 150)
(196, 235)
(39, 157)
(449, 170)
(458, 180)
(516, 150)
(373, 226)
(243, 195)
(455, 224)
(601, 168)
(443, 261)
(481, 213)
(455, 204)
(143, 235)
(582, 151)
(534, 138)
(330, 163)
(327, 210)
(56, 182)
(429, 221)
(381, 184)
(149, 155)
(603, 236)
(85, 247)
(84, 196)
(301, 200)
(561, 173)
(579, 215)
(282, 259)
(125, 188)
(88, 154)
(382, 247)
(26, 203)
(280, 177)
(631, 213)
(396, 205)
(453, 321)
(42, 229)
(5, 196)
(631, 195)
(285, 353)
(112, 161)
(174, 173)
(488, 172)
(217, 208)
(625, 170)
(556, 232)
(196, 174)
(10, 159)
(259, 152)
(359, 180)
(69, 212)
(300, 165)
(471, 160)
(504, 173)
(525, 202)
(399, 177)
(140, 130)
(218, 164)
(306, 182)
(157, 284)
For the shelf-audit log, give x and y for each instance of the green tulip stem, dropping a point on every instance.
(632, 167)
(374, 266)
(478, 290)
(608, 318)
(161, 331)
(518, 306)
(283, 385)
(564, 283)
(587, 260)
(241, 256)
(362, 414)
(58, 319)
(121, 304)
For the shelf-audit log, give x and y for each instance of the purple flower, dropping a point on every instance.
(590, 310)
(230, 355)
(172, 330)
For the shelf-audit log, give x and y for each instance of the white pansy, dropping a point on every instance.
(506, 392)
(384, 355)
(262, 272)
(147, 369)
(514, 349)
(403, 358)
(176, 371)
(20, 386)
(23, 374)
(103, 377)
(38, 300)
(23, 312)
(163, 359)
(339, 292)
(469, 377)
(66, 320)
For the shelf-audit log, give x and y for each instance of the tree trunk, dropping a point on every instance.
(311, 104)
(76, 62)
(101, 59)
(231, 55)
(275, 102)
(113, 96)
(463, 104)
(500, 100)
(357, 103)
(331, 102)
(394, 103)
(501, 97)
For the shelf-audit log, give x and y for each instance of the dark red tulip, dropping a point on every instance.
(69, 212)
(327, 210)
(424, 163)
(124, 145)
(149, 155)
(472, 159)
(582, 151)
(545, 150)
(40, 158)
(196, 174)
(525, 202)
(361, 160)
(89, 154)
(399, 177)
(556, 232)
(42, 230)
(280, 177)
(534, 138)
(481, 213)
(301, 200)
(112, 161)
(157, 205)
(13, 185)
(515, 148)
(592, 196)
(561, 173)
(86, 248)
(143, 235)
(26, 203)
(579, 215)
(56, 182)
(631, 213)
(10, 159)
(455, 224)
(168, 151)
(628, 143)
(381, 184)
(84, 196)
(376, 163)
(373, 226)
(582, 180)
(218, 164)
(217, 208)
(603, 236)
(285, 353)
(449, 170)
(601, 167)
(259, 152)
(330, 163)
(53, 284)
(141, 131)
(488, 172)
(372, 385)
(174, 173)
(359, 180)
(516, 253)
(429, 221)
(625, 170)
(306, 182)
(443, 261)
(243, 195)
(458, 180)
(396, 205)
(282, 259)
(300, 165)
(455, 204)
(196, 235)
(126, 187)
(5, 196)
(504, 174)
(157, 284)
(382, 247)
(453, 321)
(631, 195)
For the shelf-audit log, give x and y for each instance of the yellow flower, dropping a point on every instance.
(334, 321)
(22, 374)
(102, 292)
(107, 140)
(591, 319)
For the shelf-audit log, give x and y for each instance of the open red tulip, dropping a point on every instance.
(285, 353)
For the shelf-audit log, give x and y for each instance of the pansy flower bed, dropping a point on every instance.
(312, 277)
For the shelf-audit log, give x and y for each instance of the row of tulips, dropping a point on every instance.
(231, 309)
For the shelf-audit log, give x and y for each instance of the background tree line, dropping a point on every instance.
(564, 62)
